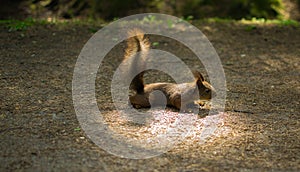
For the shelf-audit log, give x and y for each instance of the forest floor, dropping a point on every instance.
(259, 130)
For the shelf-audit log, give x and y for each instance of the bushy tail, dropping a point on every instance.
(135, 56)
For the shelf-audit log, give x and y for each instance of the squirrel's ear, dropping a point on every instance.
(198, 75)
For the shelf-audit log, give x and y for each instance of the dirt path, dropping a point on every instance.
(38, 127)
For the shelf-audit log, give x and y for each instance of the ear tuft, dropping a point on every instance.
(198, 75)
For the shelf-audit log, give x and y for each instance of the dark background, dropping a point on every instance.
(108, 10)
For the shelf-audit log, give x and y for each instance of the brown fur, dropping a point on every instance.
(173, 92)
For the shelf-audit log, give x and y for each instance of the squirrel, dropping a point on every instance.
(143, 97)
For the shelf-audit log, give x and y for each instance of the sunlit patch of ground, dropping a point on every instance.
(165, 128)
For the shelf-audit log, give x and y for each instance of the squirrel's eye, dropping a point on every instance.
(207, 90)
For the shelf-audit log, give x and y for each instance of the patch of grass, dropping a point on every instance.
(155, 44)
(254, 22)
(188, 18)
(251, 27)
(93, 25)
(22, 25)
(93, 29)
(218, 20)
(77, 129)
(18, 25)
(262, 21)
(287, 23)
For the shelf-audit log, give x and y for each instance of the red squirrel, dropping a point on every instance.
(179, 96)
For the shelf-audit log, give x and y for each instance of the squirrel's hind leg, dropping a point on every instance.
(139, 101)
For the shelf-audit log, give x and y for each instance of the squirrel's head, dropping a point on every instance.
(204, 88)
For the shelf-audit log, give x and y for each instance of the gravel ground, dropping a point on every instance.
(259, 130)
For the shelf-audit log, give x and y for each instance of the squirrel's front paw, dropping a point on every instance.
(203, 104)
(137, 106)
(190, 108)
